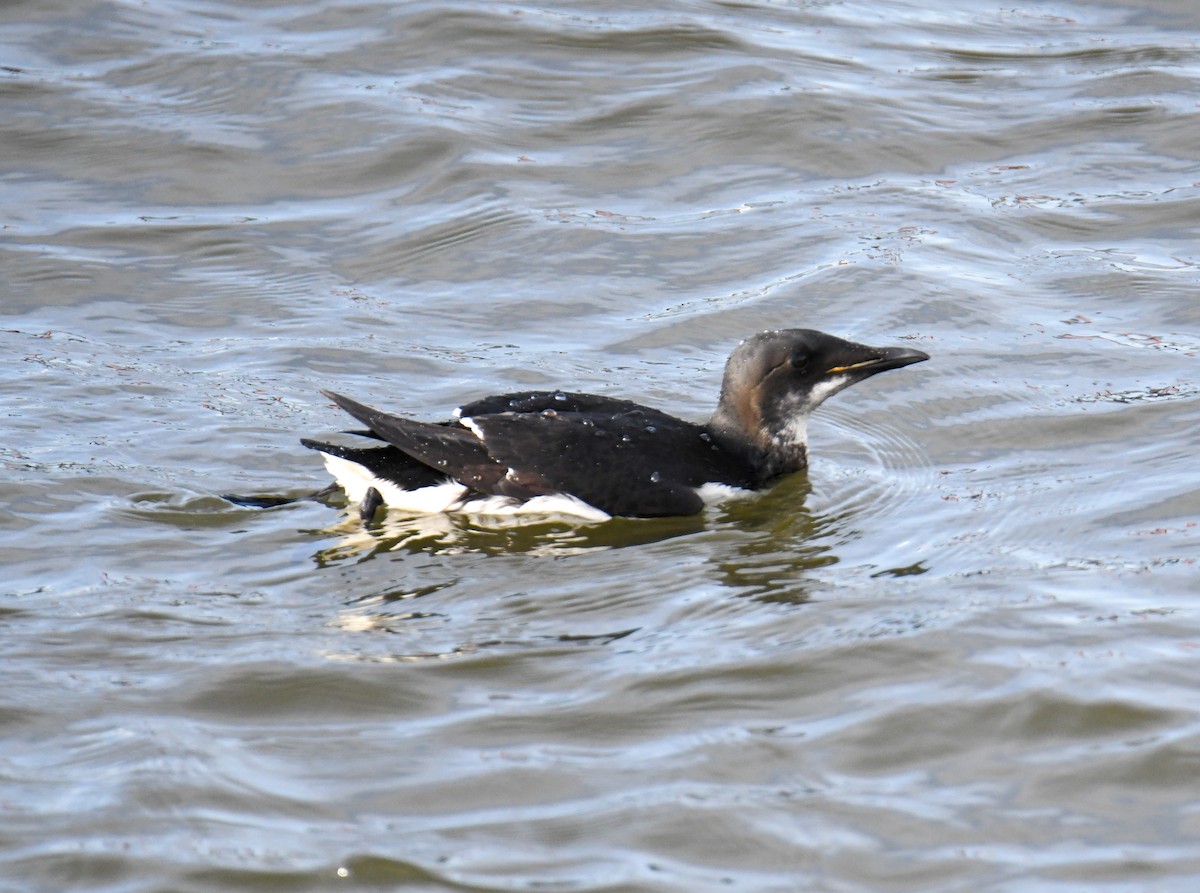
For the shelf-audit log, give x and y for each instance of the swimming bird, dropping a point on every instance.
(597, 457)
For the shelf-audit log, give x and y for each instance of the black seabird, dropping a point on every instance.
(596, 457)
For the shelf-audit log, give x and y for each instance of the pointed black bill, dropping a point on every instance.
(880, 360)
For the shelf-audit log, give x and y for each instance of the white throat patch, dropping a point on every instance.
(795, 432)
(822, 391)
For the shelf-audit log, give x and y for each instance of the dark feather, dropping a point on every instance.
(624, 464)
(384, 462)
(448, 448)
(557, 401)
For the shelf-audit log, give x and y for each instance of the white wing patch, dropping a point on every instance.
(451, 496)
(468, 423)
(550, 504)
(713, 493)
(355, 479)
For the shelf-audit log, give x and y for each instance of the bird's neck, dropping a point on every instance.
(771, 447)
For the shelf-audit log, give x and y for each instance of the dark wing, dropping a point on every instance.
(386, 462)
(620, 457)
(624, 464)
(559, 401)
(447, 449)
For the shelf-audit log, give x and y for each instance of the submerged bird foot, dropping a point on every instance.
(370, 504)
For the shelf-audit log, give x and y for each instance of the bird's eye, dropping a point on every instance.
(799, 360)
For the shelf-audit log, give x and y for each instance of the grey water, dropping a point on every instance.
(960, 653)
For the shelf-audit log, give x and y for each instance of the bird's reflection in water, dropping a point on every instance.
(763, 547)
(448, 534)
(781, 543)
(428, 631)
(766, 548)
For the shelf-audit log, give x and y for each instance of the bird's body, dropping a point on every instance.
(595, 457)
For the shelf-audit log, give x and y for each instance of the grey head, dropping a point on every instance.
(773, 382)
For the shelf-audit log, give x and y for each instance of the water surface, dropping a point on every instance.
(958, 654)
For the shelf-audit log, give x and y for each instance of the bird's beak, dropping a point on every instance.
(882, 359)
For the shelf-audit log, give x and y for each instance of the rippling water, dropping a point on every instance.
(959, 654)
